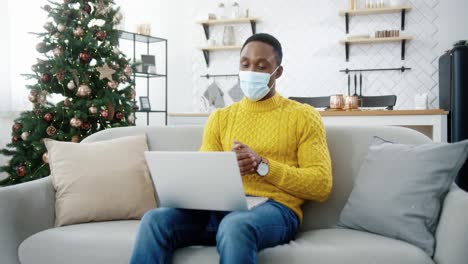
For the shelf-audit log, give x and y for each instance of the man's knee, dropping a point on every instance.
(237, 226)
(158, 218)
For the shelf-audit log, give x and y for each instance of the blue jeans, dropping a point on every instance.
(238, 235)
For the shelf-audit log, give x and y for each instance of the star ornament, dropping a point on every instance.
(105, 72)
(101, 8)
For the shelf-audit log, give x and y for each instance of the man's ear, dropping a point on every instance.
(279, 72)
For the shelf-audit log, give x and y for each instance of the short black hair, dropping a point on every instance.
(270, 40)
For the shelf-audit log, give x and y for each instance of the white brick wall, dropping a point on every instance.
(310, 31)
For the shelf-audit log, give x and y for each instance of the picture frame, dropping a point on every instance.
(145, 104)
(147, 62)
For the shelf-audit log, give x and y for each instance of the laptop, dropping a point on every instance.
(199, 180)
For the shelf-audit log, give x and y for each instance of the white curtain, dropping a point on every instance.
(23, 17)
(5, 83)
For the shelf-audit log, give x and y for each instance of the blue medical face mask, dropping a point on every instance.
(255, 84)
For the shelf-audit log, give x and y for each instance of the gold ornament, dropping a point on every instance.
(58, 51)
(75, 139)
(78, 32)
(123, 79)
(128, 71)
(131, 119)
(71, 85)
(45, 157)
(51, 130)
(76, 122)
(24, 135)
(83, 91)
(112, 84)
(105, 72)
(67, 102)
(61, 27)
(42, 98)
(93, 110)
(32, 98)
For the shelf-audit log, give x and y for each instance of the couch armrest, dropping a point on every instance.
(25, 209)
(452, 232)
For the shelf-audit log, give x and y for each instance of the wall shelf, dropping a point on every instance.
(403, 40)
(374, 11)
(213, 22)
(208, 49)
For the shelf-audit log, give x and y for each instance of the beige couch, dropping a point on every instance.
(27, 216)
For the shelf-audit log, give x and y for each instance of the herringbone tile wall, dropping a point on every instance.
(310, 32)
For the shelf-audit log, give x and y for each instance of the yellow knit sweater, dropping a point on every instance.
(289, 135)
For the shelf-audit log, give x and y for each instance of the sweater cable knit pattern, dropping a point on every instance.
(289, 135)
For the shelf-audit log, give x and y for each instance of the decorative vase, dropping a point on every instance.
(228, 36)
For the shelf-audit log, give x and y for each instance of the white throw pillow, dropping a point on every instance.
(101, 181)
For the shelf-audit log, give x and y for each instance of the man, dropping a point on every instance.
(282, 155)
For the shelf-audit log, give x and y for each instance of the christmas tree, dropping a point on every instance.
(79, 60)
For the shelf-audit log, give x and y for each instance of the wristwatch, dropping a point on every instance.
(263, 168)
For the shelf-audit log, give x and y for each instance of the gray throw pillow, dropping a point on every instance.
(400, 189)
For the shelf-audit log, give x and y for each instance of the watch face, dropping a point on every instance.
(262, 169)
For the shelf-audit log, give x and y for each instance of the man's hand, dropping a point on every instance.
(247, 159)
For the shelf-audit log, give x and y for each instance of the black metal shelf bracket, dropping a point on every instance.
(206, 54)
(347, 22)
(403, 17)
(403, 49)
(403, 20)
(253, 24)
(206, 28)
(402, 69)
(347, 51)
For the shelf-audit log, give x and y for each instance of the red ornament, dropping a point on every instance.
(15, 139)
(46, 77)
(119, 115)
(101, 35)
(86, 126)
(104, 114)
(21, 170)
(86, 8)
(48, 117)
(16, 127)
(85, 57)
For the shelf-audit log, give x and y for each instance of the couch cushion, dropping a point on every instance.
(112, 242)
(326, 246)
(102, 242)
